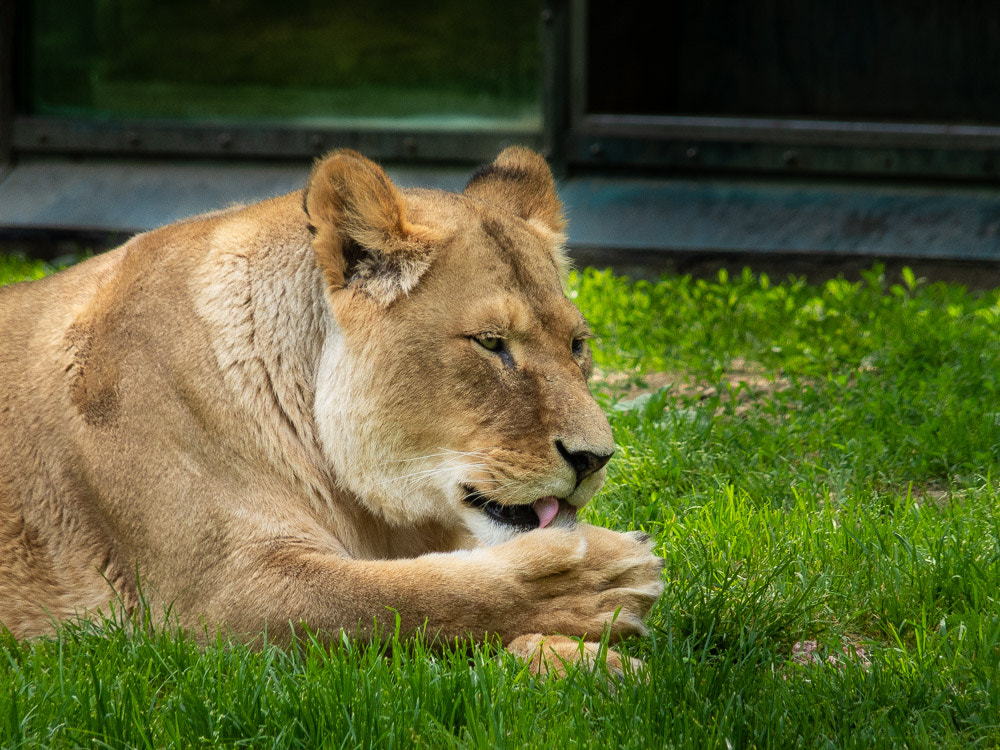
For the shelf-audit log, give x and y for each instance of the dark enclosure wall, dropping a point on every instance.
(902, 60)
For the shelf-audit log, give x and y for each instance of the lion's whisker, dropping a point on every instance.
(445, 452)
(430, 472)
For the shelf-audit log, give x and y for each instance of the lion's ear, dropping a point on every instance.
(520, 181)
(361, 234)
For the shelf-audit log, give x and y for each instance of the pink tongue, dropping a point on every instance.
(546, 508)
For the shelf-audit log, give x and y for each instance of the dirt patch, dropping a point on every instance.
(933, 494)
(809, 654)
(747, 382)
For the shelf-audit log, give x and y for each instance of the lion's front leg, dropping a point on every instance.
(581, 583)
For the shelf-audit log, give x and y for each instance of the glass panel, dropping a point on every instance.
(895, 60)
(448, 63)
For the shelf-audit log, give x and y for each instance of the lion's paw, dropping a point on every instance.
(582, 582)
(555, 654)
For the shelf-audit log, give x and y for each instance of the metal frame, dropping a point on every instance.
(40, 135)
(555, 81)
(793, 147)
(784, 146)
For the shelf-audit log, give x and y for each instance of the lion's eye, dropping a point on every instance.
(493, 344)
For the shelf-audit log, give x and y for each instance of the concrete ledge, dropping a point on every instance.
(639, 223)
(129, 196)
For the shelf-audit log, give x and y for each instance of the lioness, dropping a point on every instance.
(336, 407)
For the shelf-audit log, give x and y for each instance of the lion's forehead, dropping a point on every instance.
(495, 265)
(482, 232)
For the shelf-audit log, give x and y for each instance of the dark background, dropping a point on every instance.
(902, 60)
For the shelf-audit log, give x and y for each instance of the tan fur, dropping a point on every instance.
(275, 414)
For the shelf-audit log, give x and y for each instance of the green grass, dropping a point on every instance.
(17, 268)
(823, 466)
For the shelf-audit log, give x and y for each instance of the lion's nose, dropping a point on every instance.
(584, 463)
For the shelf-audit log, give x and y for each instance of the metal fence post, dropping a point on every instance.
(555, 82)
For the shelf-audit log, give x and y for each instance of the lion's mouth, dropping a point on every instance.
(538, 514)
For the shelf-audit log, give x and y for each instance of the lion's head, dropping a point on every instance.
(453, 385)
